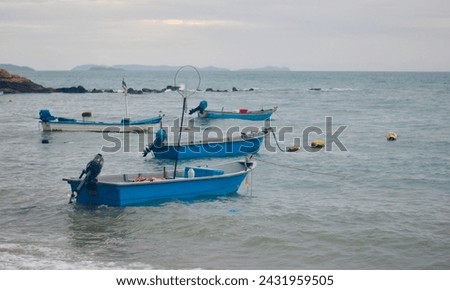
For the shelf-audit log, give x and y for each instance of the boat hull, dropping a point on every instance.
(209, 149)
(122, 194)
(80, 126)
(252, 116)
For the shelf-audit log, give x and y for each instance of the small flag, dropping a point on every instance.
(124, 86)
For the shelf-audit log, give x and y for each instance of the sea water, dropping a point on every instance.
(368, 204)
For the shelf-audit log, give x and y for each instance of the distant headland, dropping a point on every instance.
(15, 68)
(12, 84)
(138, 67)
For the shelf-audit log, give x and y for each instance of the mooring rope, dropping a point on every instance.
(276, 141)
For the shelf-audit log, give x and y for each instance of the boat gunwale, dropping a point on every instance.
(217, 140)
(259, 112)
(170, 180)
(154, 120)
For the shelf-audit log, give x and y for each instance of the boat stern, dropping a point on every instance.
(46, 126)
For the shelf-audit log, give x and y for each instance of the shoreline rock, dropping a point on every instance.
(71, 90)
(15, 84)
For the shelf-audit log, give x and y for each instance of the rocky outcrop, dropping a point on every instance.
(12, 84)
(216, 91)
(132, 91)
(71, 90)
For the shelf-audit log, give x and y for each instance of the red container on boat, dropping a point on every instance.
(243, 111)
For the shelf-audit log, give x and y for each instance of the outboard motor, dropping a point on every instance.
(46, 116)
(201, 108)
(160, 137)
(91, 171)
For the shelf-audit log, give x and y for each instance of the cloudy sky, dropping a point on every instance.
(299, 34)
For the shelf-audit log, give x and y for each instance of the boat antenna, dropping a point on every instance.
(185, 93)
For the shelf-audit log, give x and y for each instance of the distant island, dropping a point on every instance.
(266, 68)
(139, 67)
(15, 68)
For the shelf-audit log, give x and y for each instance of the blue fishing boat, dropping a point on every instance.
(246, 143)
(91, 188)
(52, 123)
(153, 188)
(243, 114)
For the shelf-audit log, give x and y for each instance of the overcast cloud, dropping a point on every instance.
(299, 34)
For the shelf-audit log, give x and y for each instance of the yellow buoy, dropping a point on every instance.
(318, 143)
(391, 136)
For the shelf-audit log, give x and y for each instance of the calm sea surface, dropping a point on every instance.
(374, 205)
